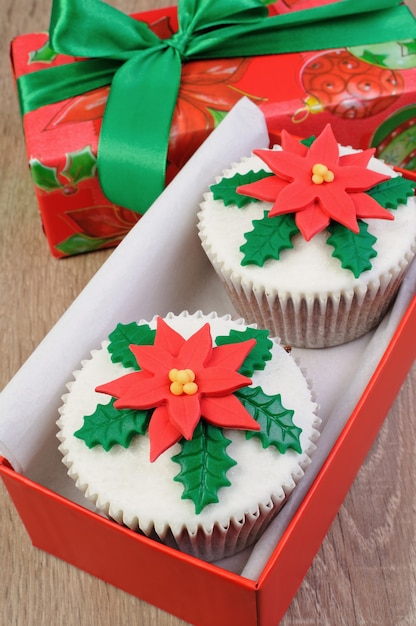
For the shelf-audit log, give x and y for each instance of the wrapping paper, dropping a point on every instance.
(143, 277)
(366, 92)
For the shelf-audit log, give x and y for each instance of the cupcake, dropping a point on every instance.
(310, 239)
(190, 429)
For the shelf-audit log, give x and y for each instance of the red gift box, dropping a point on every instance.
(165, 577)
(178, 583)
(367, 93)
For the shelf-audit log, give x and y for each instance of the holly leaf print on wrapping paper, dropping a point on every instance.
(277, 427)
(123, 336)
(108, 426)
(393, 192)
(204, 464)
(268, 238)
(80, 165)
(80, 243)
(44, 177)
(44, 54)
(257, 357)
(225, 190)
(354, 250)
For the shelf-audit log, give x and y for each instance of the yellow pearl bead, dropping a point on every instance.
(320, 169)
(317, 179)
(191, 375)
(173, 374)
(320, 174)
(190, 388)
(176, 388)
(182, 377)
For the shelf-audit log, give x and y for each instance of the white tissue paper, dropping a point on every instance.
(161, 267)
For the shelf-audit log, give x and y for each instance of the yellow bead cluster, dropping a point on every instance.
(182, 381)
(321, 174)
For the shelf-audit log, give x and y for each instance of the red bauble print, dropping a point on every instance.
(348, 87)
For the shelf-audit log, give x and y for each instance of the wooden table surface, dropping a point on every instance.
(365, 571)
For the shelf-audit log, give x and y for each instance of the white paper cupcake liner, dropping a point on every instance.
(319, 321)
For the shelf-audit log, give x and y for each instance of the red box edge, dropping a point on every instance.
(276, 570)
(344, 453)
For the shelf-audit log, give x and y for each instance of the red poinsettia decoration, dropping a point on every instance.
(318, 184)
(184, 380)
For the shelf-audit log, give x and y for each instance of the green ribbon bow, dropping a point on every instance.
(144, 71)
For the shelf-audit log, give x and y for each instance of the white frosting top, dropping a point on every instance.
(309, 267)
(125, 485)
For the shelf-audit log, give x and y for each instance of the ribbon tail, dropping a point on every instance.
(135, 132)
(55, 84)
(279, 34)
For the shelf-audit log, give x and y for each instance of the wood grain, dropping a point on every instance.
(365, 571)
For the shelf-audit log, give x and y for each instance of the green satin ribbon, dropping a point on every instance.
(144, 71)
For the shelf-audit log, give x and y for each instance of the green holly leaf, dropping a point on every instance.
(308, 141)
(123, 336)
(225, 190)
(258, 355)
(354, 250)
(45, 54)
(80, 243)
(390, 193)
(45, 177)
(80, 165)
(204, 464)
(108, 426)
(269, 237)
(277, 427)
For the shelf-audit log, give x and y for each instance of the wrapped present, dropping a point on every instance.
(114, 105)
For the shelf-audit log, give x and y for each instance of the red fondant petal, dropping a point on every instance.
(231, 355)
(146, 393)
(119, 386)
(366, 206)
(218, 381)
(196, 351)
(354, 179)
(287, 165)
(311, 220)
(361, 159)
(167, 337)
(292, 144)
(162, 433)
(325, 149)
(227, 412)
(154, 359)
(338, 205)
(266, 189)
(294, 197)
(185, 413)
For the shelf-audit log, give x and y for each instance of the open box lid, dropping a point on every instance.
(136, 282)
